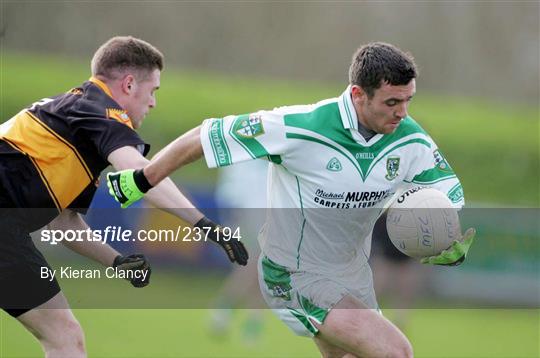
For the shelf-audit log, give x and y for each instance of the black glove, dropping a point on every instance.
(233, 247)
(136, 268)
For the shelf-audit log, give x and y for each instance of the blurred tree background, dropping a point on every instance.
(477, 93)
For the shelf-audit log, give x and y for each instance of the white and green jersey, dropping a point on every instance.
(326, 184)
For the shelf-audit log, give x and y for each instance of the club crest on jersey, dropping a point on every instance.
(120, 115)
(249, 127)
(392, 167)
(334, 165)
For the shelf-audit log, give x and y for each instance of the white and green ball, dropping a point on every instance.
(421, 222)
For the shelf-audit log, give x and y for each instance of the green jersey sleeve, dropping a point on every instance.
(234, 139)
(431, 169)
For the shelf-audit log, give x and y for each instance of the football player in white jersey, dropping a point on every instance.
(240, 195)
(333, 167)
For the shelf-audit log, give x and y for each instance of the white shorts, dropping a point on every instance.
(299, 297)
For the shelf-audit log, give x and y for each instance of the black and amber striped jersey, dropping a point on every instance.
(52, 153)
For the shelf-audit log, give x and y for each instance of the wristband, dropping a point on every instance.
(205, 222)
(141, 181)
(116, 260)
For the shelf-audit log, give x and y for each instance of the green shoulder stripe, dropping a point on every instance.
(433, 175)
(362, 166)
(325, 120)
(317, 140)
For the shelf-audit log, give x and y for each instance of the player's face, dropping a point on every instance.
(142, 98)
(384, 111)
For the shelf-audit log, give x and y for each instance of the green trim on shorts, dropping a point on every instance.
(313, 310)
(305, 321)
(308, 312)
(277, 279)
(275, 158)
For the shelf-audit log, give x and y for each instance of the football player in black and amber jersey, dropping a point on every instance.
(51, 156)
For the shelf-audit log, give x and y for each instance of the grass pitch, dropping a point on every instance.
(185, 333)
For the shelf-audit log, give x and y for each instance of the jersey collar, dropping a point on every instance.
(118, 114)
(101, 85)
(347, 111)
(350, 119)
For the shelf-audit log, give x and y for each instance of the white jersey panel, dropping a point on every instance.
(234, 139)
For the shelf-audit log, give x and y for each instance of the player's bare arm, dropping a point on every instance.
(185, 149)
(166, 195)
(132, 185)
(68, 219)
(97, 251)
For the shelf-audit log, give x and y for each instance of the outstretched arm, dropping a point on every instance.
(126, 184)
(95, 250)
(183, 150)
(98, 251)
(165, 195)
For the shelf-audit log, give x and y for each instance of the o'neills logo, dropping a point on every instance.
(403, 196)
(364, 156)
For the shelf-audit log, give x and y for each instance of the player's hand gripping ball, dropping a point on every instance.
(422, 223)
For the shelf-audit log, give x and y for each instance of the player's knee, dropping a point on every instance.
(394, 347)
(402, 349)
(68, 338)
(409, 350)
(74, 335)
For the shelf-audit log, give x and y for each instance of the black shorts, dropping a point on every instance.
(21, 285)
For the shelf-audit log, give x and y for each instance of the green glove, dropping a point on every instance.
(455, 254)
(127, 186)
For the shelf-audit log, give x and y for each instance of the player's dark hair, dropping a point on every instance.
(123, 53)
(379, 62)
